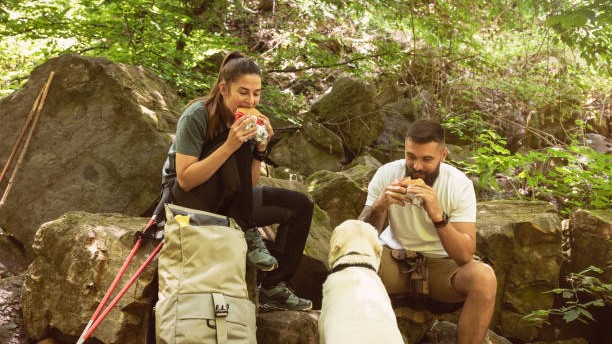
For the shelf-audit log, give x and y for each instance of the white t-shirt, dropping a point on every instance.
(409, 226)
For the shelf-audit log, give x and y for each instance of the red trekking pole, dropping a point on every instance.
(102, 312)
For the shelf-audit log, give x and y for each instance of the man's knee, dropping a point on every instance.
(477, 277)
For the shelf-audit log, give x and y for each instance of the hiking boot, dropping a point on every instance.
(280, 297)
(258, 254)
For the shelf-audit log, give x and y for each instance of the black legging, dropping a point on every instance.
(292, 210)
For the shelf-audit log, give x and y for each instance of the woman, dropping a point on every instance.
(213, 165)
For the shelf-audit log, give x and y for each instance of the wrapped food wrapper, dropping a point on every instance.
(261, 136)
(414, 199)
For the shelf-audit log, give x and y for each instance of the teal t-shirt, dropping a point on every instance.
(189, 140)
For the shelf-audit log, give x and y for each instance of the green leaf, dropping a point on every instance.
(553, 20)
(571, 315)
(586, 313)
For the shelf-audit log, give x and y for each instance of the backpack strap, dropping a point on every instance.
(221, 311)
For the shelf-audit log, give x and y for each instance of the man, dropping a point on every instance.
(436, 219)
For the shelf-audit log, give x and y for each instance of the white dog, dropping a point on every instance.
(356, 308)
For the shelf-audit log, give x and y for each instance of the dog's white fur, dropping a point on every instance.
(356, 307)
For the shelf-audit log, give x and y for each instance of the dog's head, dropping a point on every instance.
(354, 241)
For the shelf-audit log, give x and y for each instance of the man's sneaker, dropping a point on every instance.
(258, 254)
(281, 297)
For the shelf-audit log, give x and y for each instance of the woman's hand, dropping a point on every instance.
(239, 133)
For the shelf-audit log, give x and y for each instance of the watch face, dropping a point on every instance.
(444, 221)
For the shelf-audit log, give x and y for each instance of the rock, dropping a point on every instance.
(599, 143)
(99, 146)
(12, 258)
(349, 110)
(300, 156)
(79, 255)
(591, 241)
(413, 324)
(396, 118)
(324, 138)
(287, 327)
(444, 332)
(341, 194)
(12, 330)
(523, 241)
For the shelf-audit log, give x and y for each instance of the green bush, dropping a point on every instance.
(581, 285)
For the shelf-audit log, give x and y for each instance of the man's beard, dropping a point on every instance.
(429, 177)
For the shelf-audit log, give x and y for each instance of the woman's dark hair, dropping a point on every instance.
(424, 131)
(234, 66)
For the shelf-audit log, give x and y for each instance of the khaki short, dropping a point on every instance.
(441, 272)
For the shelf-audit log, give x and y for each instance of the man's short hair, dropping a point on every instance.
(424, 131)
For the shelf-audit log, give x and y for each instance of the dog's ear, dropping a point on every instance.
(378, 249)
(333, 254)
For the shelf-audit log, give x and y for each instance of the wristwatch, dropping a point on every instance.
(442, 223)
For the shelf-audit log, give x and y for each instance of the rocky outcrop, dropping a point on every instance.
(342, 194)
(99, 145)
(75, 166)
(79, 255)
(287, 327)
(443, 332)
(523, 242)
(396, 117)
(591, 242)
(349, 110)
(297, 154)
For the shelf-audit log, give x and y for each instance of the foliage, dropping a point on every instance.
(572, 175)
(164, 36)
(585, 25)
(472, 63)
(581, 285)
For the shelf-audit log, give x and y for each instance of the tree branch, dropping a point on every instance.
(292, 69)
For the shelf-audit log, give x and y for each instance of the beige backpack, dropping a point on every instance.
(203, 295)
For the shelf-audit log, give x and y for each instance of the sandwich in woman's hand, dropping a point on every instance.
(262, 132)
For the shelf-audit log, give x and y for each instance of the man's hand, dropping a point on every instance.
(429, 198)
(394, 193)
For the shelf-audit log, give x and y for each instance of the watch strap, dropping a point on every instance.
(261, 156)
(442, 223)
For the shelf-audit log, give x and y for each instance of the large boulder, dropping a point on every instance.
(342, 194)
(396, 117)
(284, 327)
(78, 255)
(298, 154)
(523, 241)
(349, 110)
(99, 146)
(591, 241)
